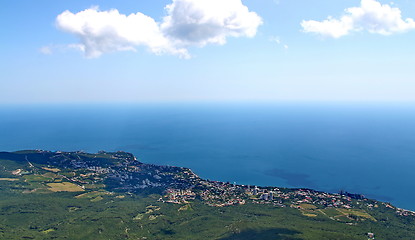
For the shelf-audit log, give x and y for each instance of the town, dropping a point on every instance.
(122, 172)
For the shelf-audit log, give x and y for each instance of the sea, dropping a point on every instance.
(365, 148)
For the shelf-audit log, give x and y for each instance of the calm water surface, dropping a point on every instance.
(368, 149)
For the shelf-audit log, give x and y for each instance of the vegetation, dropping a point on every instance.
(41, 202)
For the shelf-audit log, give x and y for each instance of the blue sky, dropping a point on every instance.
(254, 50)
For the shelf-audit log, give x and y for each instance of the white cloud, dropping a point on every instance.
(47, 50)
(199, 22)
(188, 23)
(330, 27)
(371, 16)
(277, 40)
(52, 48)
(109, 31)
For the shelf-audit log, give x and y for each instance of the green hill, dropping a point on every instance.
(77, 195)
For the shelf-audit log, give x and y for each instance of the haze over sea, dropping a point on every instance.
(360, 148)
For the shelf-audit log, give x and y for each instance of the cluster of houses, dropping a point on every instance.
(295, 197)
(183, 185)
(403, 212)
(399, 211)
(212, 193)
(179, 196)
(220, 194)
(122, 170)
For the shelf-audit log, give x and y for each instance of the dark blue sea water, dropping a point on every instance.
(361, 148)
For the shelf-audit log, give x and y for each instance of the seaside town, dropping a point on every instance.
(122, 172)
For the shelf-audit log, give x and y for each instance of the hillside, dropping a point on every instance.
(77, 195)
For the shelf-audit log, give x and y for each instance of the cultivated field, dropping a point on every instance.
(64, 187)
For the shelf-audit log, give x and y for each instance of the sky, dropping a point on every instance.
(98, 51)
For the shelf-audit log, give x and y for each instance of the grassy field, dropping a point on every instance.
(64, 187)
(92, 195)
(356, 213)
(55, 170)
(9, 179)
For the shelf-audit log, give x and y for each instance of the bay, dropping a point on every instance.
(355, 147)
